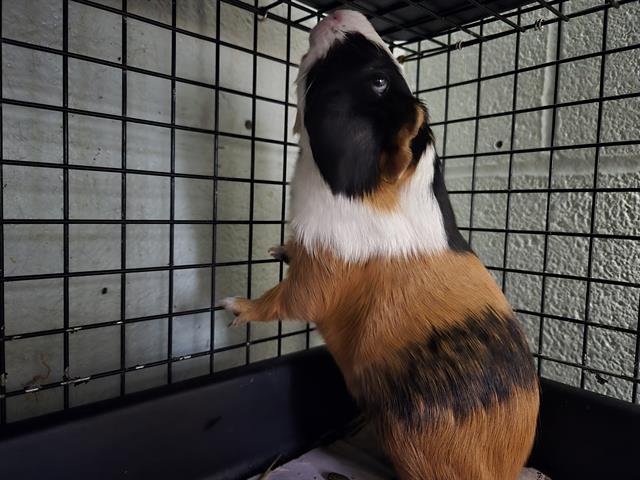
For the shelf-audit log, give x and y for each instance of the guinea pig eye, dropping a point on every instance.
(379, 85)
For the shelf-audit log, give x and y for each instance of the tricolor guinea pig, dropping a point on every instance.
(426, 341)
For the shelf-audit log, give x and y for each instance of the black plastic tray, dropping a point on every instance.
(234, 425)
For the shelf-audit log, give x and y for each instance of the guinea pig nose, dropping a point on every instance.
(337, 15)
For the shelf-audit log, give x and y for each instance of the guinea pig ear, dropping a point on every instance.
(296, 124)
(345, 147)
(408, 146)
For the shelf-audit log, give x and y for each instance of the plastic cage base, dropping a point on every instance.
(234, 425)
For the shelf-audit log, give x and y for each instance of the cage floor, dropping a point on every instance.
(353, 458)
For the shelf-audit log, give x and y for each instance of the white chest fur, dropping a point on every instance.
(354, 230)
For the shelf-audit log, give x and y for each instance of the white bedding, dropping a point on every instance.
(356, 458)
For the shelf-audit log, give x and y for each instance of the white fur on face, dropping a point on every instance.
(331, 29)
(350, 228)
(334, 28)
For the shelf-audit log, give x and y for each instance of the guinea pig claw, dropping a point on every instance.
(236, 322)
(231, 304)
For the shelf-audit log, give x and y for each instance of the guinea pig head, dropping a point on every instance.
(364, 127)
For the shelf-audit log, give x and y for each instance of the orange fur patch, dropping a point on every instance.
(396, 166)
(488, 445)
(385, 303)
(367, 312)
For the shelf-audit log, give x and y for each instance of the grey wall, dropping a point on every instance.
(616, 212)
(36, 192)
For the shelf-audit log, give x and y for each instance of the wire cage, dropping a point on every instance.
(147, 149)
(544, 177)
(166, 104)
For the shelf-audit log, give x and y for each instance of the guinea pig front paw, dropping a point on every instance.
(239, 307)
(279, 252)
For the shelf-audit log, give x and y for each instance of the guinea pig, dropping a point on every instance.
(428, 345)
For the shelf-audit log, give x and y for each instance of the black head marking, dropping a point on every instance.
(356, 103)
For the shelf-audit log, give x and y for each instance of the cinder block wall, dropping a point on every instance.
(616, 213)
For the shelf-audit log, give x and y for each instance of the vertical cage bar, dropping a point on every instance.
(514, 99)
(214, 227)
(3, 373)
(475, 137)
(446, 108)
(254, 84)
(594, 198)
(553, 10)
(285, 158)
(65, 173)
(172, 206)
(123, 205)
(636, 363)
(415, 92)
(552, 141)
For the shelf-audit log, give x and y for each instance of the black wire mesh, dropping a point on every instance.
(126, 221)
(570, 342)
(473, 200)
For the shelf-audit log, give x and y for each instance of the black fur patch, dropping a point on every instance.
(423, 139)
(349, 124)
(461, 369)
(454, 238)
